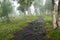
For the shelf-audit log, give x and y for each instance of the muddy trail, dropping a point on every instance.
(34, 31)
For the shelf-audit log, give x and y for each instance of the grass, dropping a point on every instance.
(7, 30)
(53, 34)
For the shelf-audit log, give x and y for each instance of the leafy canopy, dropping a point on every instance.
(24, 4)
(6, 8)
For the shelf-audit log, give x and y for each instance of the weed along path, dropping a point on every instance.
(34, 31)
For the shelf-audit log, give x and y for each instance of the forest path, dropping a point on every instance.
(34, 31)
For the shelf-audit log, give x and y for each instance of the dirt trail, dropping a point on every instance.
(34, 31)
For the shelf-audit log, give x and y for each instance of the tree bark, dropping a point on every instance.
(58, 15)
(53, 15)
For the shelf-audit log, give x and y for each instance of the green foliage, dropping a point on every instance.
(38, 3)
(39, 7)
(6, 8)
(0, 11)
(48, 5)
(24, 4)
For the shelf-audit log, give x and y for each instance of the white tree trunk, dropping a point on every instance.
(54, 21)
(27, 17)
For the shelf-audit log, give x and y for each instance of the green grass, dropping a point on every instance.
(53, 34)
(7, 30)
